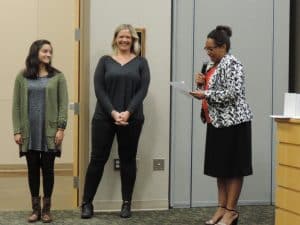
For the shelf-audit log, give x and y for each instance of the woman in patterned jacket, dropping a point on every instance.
(228, 118)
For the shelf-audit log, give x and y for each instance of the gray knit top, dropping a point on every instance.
(121, 87)
(36, 112)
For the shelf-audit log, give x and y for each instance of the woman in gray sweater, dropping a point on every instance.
(121, 83)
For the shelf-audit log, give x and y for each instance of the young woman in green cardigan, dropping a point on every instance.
(40, 103)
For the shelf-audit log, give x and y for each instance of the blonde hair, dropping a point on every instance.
(135, 47)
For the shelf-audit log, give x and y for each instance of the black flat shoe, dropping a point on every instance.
(87, 210)
(125, 210)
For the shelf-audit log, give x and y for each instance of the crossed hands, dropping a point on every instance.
(121, 118)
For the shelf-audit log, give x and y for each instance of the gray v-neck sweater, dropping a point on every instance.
(121, 87)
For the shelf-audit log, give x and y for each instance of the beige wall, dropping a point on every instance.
(151, 190)
(22, 22)
(14, 44)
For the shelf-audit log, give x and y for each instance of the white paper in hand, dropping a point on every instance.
(181, 87)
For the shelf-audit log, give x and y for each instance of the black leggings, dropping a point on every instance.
(40, 160)
(103, 133)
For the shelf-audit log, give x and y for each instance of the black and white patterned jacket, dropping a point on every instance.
(225, 96)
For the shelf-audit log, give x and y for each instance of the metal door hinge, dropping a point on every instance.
(77, 34)
(75, 107)
(76, 182)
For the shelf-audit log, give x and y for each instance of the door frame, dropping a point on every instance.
(82, 153)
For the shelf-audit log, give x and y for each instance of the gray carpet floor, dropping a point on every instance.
(249, 215)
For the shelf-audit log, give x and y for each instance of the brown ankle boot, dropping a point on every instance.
(46, 215)
(36, 210)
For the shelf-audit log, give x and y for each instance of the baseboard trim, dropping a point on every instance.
(137, 205)
(20, 170)
(241, 202)
(181, 204)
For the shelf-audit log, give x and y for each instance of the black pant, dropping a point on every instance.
(40, 160)
(103, 133)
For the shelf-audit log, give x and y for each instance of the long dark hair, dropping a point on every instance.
(32, 61)
(221, 35)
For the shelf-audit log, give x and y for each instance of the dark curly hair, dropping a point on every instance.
(32, 61)
(221, 35)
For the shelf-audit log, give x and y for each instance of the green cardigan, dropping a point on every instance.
(56, 108)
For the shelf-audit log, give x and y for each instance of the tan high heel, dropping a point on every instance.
(235, 221)
(211, 222)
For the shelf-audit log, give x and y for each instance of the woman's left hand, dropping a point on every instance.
(198, 94)
(124, 118)
(59, 137)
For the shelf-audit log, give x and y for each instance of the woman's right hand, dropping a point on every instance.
(198, 94)
(18, 139)
(118, 118)
(200, 79)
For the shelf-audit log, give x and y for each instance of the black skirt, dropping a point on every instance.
(228, 151)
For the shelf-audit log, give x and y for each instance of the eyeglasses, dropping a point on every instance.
(210, 49)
